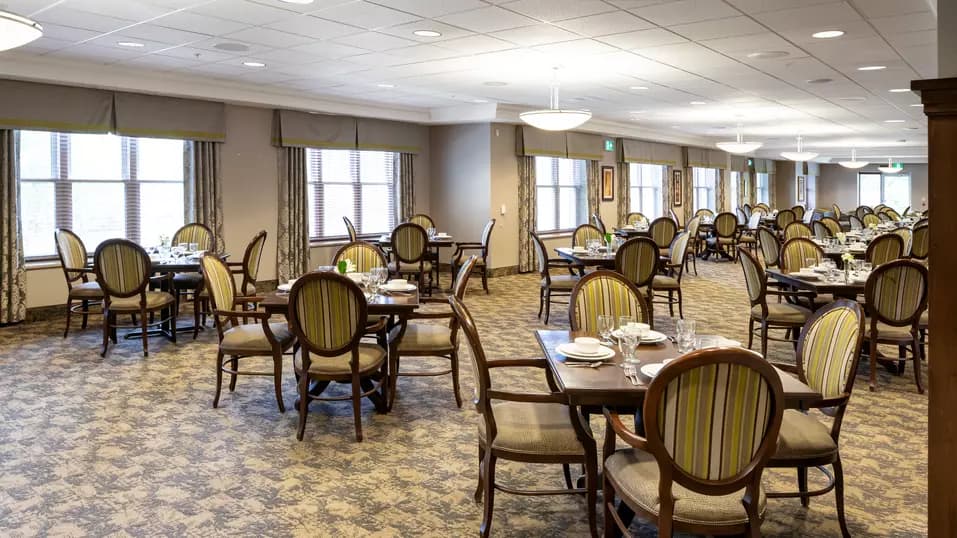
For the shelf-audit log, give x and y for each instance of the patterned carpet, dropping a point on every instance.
(130, 446)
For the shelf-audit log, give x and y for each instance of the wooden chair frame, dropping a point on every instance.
(242, 268)
(676, 271)
(546, 292)
(581, 230)
(876, 242)
(767, 238)
(600, 224)
(420, 259)
(482, 248)
(573, 308)
(714, 245)
(646, 282)
(73, 275)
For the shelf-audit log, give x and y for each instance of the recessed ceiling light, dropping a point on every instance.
(637, 111)
(495, 83)
(231, 47)
(894, 121)
(639, 88)
(131, 44)
(853, 99)
(696, 103)
(918, 104)
(254, 64)
(479, 101)
(872, 68)
(427, 33)
(820, 80)
(899, 90)
(828, 34)
(675, 127)
(768, 54)
(386, 85)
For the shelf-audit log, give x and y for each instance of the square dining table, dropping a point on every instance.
(603, 260)
(838, 289)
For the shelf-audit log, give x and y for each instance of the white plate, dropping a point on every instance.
(284, 287)
(806, 275)
(575, 349)
(651, 337)
(568, 350)
(651, 370)
(407, 287)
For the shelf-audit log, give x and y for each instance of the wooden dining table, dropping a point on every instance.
(603, 260)
(838, 289)
(435, 245)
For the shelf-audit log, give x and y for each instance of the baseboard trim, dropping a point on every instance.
(508, 270)
(46, 313)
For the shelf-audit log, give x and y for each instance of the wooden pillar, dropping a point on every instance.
(940, 104)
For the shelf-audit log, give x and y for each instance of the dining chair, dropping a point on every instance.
(742, 216)
(748, 237)
(828, 353)
(810, 217)
(77, 271)
(239, 339)
(248, 269)
(600, 224)
(481, 263)
(191, 283)
(798, 229)
(795, 253)
(798, 211)
(747, 209)
(784, 315)
(769, 245)
(674, 217)
(884, 248)
(608, 293)
(670, 281)
(638, 259)
(431, 339)
(821, 231)
(861, 211)
(879, 208)
(663, 231)
(836, 209)
(884, 217)
(410, 247)
(896, 296)
(870, 219)
(784, 217)
(551, 285)
(725, 238)
(760, 208)
(635, 217)
(907, 236)
(365, 257)
(524, 427)
(585, 233)
(422, 220)
(890, 212)
(123, 270)
(694, 238)
(350, 228)
(854, 222)
(712, 419)
(833, 225)
(327, 315)
(920, 242)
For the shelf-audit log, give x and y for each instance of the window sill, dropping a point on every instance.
(340, 241)
(557, 234)
(39, 265)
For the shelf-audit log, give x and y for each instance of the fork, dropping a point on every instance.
(585, 364)
(631, 374)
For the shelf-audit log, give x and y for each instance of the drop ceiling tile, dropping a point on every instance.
(314, 27)
(431, 8)
(95, 53)
(268, 37)
(422, 53)
(40, 46)
(127, 9)
(913, 22)
(201, 24)
(327, 50)
(210, 44)
(538, 34)
(802, 35)
(487, 19)
(199, 55)
(66, 33)
(28, 8)
(475, 44)
(243, 11)
(913, 39)
(324, 69)
(163, 35)
(365, 15)
(374, 41)
(742, 45)
(853, 53)
(685, 11)
(65, 16)
(406, 31)
(730, 27)
(606, 23)
(821, 16)
(291, 56)
(219, 70)
(575, 49)
(557, 10)
(300, 7)
(760, 6)
(888, 8)
(159, 62)
(377, 59)
(688, 56)
(111, 40)
(641, 39)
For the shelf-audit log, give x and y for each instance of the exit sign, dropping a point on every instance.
(609, 144)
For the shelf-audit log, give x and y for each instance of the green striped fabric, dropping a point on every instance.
(194, 233)
(219, 282)
(605, 293)
(796, 251)
(364, 256)
(870, 218)
(585, 233)
(820, 230)
(663, 231)
(255, 255)
(72, 252)
(679, 248)
(422, 220)
(797, 229)
(122, 267)
(328, 313)
(894, 215)
(785, 217)
(884, 248)
(637, 259)
(920, 242)
(770, 246)
(713, 418)
(837, 211)
(704, 212)
(635, 218)
(907, 236)
(754, 278)
(725, 224)
(897, 292)
(409, 241)
(829, 350)
(832, 225)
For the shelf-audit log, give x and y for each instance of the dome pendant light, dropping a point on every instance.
(554, 118)
(853, 163)
(799, 155)
(739, 145)
(891, 168)
(16, 31)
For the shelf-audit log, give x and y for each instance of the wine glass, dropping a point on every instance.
(606, 326)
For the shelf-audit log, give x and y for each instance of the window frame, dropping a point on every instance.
(883, 186)
(636, 185)
(762, 186)
(581, 193)
(712, 192)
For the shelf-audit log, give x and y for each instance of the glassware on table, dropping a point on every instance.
(685, 335)
(628, 343)
(177, 251)
(810, 262)
(623, 322)
(193, 247)
(606, 326)
(867, 267)
(378, 277)
(706, 341)
(325, 268)
(431, 232)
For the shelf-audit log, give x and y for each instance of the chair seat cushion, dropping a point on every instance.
(665, 282)
(187, 281)
(803, 436)
(371, 357)
(250, 337)
(783, 313)
(425, 337)
(924, 320)
(720, 240)
(562, 282)
(636, 474)
(533, 428)
(747, 239)
(887, 332)
(86, 290)
(410, 267)
(154, 300)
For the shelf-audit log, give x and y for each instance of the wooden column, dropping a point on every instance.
(940, 104)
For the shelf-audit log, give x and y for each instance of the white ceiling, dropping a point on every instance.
(341, 51)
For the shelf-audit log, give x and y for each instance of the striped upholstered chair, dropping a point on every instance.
(827, 356)
(551, 285)
(799, 211)
(699, 480)
(192, 283)
(920, 242)
(663, 230)
(72, 253)
(608, 293)
(669, 283)
(783, 218)
(797, 229)
(481, 249)
(585, 233)
(350, 229)
(635, 218)
(248, 269)
(784, 315)
(896, 297)
(637, 260)
(854, 222)
(833, 225)
(694, 239)
(431, 255)
(123, 270)
(770, 246)
(725, 238)
(796, 252)
(422, 220)
(524, 427)
(907, 236)
(410, 247)
(237, 338)
(884, 248)
(364, 256)
(327, 315)
(870, 218)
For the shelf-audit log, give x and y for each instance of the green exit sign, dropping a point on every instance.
(609, 144)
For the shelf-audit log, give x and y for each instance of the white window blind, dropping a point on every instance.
(704, 182)
(734, 182)
(99, 186)
(561, 193)
(359, 185)
(646, 183)
(889, 189)
(762, 189)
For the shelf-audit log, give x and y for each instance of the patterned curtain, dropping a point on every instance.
(405, 188)
(772, 190)
(624, 193)
(13, 279)
(527, 218)
(666, 198)
(687, 197)
(204, 197)
(293, 257)
(721, 191)
(594, 180)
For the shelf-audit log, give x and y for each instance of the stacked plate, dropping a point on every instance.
(572, 351)
(650, 337)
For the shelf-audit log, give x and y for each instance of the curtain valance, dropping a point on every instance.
(533, 142)
(584, 146)
(156, 116)
(705, 158)
(49, 107)
(739, 163)
(304, 130)
(763, 166)
(385, 135)
(641, 151)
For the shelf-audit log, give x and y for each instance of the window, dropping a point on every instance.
(704, 185)
(735, 179)
(810, 199)
(100, 186)
(889, 189)
(762, 189)
(560, 191)
(350, 183)
(646, 183)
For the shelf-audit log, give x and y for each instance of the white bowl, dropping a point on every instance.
(588, 345)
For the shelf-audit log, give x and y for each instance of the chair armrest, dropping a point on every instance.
(614, 422)
(254, 314)
(786, 367)
(246, 299)
(234, 264)
(797, 293)
(469, 244)
(508, 363)
(539, 397)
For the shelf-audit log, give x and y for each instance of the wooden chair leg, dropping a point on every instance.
(69, 312)
(839, 495)
(750, 333)
(548, 304)
(144, 323)
(591, 493)
(106, 331)
(567, 473)
(489, 487)
(357, 405)
(455, 378)
(219, 378)
(917, 378)
(480, 488)
(764, 339)
(671, 304)
(608, 505)
(485, 281)
(234, 366)
(196, 309)
(873, 362)
(277, 380)
(541, 301)
(681, 308)
(802, 486)
(86, 313)
(303, 404)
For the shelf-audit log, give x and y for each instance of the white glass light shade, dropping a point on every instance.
(739, 145)
(800, 155)
(555, 119)
(891, 168)
(853, 164)
(16, 31)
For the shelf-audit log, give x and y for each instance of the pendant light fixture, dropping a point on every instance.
(800, 154)
(739, 145)
(16, 31)
(891, 168)
(554, 118)
(853, 163)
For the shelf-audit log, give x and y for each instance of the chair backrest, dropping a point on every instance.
(759, 210)
(585, 233)
(72, 253)
(855, 222)
(742, 216)
(755, 280)
(870, 218)
(832, 224)
(884, 248)
(796, 251)
(219, 283)
(637, 259)
(195, 232)
(764, 207)
(635, 218)
(422, 220)
(820, 230)
(894, 215)
(747, 209)
(704, 212)
(673, 215)
(712, 419)
(883, 217)
(663, 231)
(541, 255)
(797, 229)
(604, 292)
(122, 268)
(350, 228)
(879, 208)
(920, 242)
(754, 221)
(810, 216)
(862, 210)
(327, 313)
(253, 256)
(725, 225)
(799, 212)
(679, 251)
(461, 282)
(363, 255)
(907, 236)
(596, 220)
(837, 211)
(479, 362)
(770, 246)
(692, 227)
(487, 236)
(410, 242)
(896, 293)
(785, 217)
(829, 348)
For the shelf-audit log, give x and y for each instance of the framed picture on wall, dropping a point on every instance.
(801, 189)
(676, 188)
(607, 183)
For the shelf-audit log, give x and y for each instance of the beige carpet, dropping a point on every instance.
(130, 446)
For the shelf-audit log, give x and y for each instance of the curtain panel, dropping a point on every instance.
(13, 278)
(624, 192)
(293, 237)
(721, 191)
(405, 187)
(532, 142)
(204, 194)
(527, 218)
(594, 173)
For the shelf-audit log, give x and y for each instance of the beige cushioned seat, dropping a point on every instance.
(924, 319)
(410, 267)
(885, 331)
(563, 282)
(87, 290)
(425, 337)
(665, 282)
(783, 312)
(747, 239)
(803, 436)
(154, 299)
(721, 240)
(371, 357)
(250, 337)
(636, 473)
(533, 428)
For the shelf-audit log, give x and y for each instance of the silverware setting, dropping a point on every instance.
(631, 374)
(585, 364)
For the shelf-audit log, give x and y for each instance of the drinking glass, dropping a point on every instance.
(193, 247)
(685, 333)
(379, 276)
(623, 322)
(431, 232)
(810, 262)
(867, 267)
(606, 325)
(628, 343)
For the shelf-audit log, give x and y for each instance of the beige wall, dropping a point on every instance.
(504, 191)
(837, 184)
(461, 175)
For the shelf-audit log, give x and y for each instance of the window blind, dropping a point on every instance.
(359, 185)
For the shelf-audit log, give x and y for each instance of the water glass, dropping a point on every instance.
(623, 322)
(867, 267)
(606, 325)
(628, 343)
(431, 232)
(685, 335)
(193, 247)
(810, 262)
